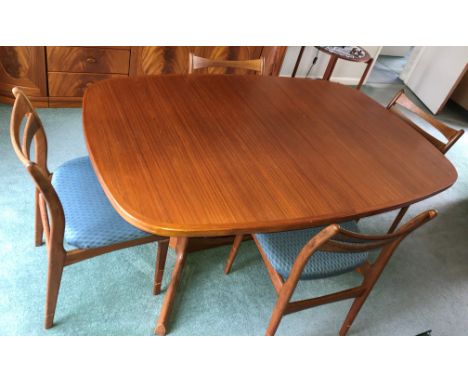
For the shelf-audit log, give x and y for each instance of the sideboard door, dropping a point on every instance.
(23, 66)
(174, 59)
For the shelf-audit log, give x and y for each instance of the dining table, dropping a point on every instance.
(186, 156)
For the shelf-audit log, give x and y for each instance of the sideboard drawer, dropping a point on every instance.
(87, 60)
(74, 84)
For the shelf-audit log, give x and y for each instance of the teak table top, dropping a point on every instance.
(207, 155)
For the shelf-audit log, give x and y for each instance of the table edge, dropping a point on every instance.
(171, 230)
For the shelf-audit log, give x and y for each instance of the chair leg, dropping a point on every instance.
(160, 264)
(38, 228)
(398, 219)
(353, 311)
(161, 325)
(54, 278)
(276, 317)
(370, 279)
(233, 253)
(280, 307)
(284, 295)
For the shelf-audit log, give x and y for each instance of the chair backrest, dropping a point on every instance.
(37, 167)
(452, 135)
(334, 238)
(197, 62)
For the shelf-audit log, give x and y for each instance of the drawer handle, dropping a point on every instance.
(91, 60)
(88, 84)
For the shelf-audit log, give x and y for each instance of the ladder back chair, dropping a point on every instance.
(197, 62)
(317, 253)
(72, 207)
(451, 135)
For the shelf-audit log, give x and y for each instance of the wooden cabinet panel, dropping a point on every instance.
(61, 80)
(74, 84)
(174, 59)
(87, 60)
(23, 66)
(274, 56)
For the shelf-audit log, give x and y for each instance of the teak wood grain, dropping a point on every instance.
(23, 66)
(146, 60)
(87, 60)
(203, 155)
(198, 62)
(29, 67)
(63, 84)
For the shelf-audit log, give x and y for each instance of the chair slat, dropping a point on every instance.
(297, 306)
(345, 241)
(452, 135)
(350, 247)
(197, 62)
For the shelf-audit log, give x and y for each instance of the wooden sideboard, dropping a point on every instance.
(57, 76)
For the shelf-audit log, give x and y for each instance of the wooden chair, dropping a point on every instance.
(319, 253)
(71, 207)
(451, 135)
(197, 62)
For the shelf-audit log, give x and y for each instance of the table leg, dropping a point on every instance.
(330, 67)
(364, 75)
(161, 325)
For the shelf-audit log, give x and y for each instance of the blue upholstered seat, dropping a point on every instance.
(90, 219)
(282, 249)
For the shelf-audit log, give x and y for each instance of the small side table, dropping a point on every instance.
(349, 53)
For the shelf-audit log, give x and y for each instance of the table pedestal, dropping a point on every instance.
(200, 243)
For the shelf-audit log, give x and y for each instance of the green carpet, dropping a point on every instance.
(425, 285)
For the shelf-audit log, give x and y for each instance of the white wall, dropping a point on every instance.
(346, 72)
(398, 51)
